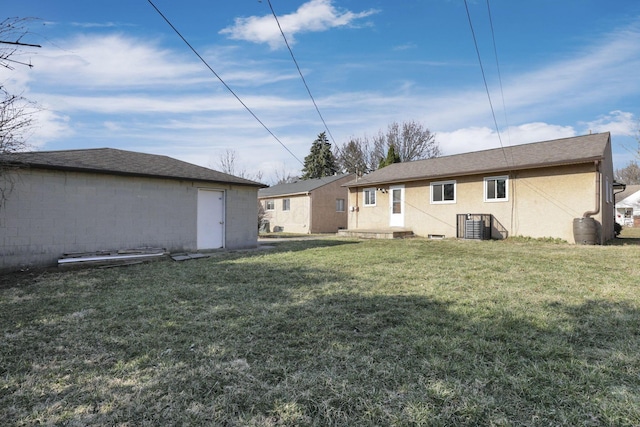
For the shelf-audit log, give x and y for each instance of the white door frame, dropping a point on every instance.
(210, 218)
(396, 219)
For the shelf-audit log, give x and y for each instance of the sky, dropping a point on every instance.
(116, 74)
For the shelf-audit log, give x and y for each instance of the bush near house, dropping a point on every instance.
(331, 332)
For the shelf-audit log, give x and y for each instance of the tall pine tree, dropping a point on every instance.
(320, 161)
(392, 157)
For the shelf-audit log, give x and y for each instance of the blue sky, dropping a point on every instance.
(114, 74)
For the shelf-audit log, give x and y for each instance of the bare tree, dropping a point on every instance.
(12, 31)
(284, 177)
(410, 141)
(227, 163)
(630, 174)
(16, 112)
(16, 120)
(353, 157)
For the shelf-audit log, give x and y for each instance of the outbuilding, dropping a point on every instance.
(58, 202)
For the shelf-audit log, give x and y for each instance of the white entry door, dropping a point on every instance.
(396, 206)
(210, 219)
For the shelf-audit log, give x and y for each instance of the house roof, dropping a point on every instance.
(565, 151)
(629, 191)
(120, 162)
(298, 187)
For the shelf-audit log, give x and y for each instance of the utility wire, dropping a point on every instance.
(504, 109)
(495, 52)
(300, 71)
(484, 78)
(223, 82)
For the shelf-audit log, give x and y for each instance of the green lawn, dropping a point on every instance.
(331, 332)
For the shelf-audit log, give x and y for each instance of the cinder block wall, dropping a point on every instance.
(49, 213)
(241, 221)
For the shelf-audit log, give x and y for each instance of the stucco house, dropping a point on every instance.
(628, 206)
(545, 189)
(104, 199)
(307, 206)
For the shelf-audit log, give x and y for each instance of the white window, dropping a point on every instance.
(443, 192)
(369, 196)
(286, 204)
(269, 205)
(339, 205)
(496, 189)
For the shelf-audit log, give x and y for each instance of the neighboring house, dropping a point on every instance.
(307, 206)
(544, 189)
(106, 199)
(628, 206)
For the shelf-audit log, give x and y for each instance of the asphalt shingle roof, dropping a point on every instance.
(121, 162)
(575, 150)
(298, 187)
(631, 189)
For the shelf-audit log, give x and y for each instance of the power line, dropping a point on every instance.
(484, 78)
(223, 82)
(495, 52)
(300, 71)
(19, 43)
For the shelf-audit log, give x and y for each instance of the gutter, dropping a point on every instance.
(364, 183)
(173, 177)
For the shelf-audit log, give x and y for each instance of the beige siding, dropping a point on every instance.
(541, 203)
(325, 218)
(314, 212)
(49, 213)
(295, 220)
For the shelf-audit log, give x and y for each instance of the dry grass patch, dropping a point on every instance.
(331, 332)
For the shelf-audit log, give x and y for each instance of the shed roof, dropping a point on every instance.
(565, 151)
(299, 187)
(120, 162)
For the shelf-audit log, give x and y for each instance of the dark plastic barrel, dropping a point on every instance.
(585, 231)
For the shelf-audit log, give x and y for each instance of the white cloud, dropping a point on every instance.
(617, 122)
(483, 138)
(49, 126)
(114, 61)
(313, 16)
(97, 24)
(600, 72)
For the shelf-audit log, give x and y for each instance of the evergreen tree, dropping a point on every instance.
(392, 157)
(320, 161)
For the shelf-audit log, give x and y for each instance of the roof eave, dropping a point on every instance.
(475, 172)
(271, 196)
(122, 173)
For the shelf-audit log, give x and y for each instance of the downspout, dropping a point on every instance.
(357, 199)
(310, 212)
(357, 207)
(596, 211)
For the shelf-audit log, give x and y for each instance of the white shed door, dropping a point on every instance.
(210, 219)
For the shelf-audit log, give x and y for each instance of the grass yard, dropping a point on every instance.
(331, 332)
